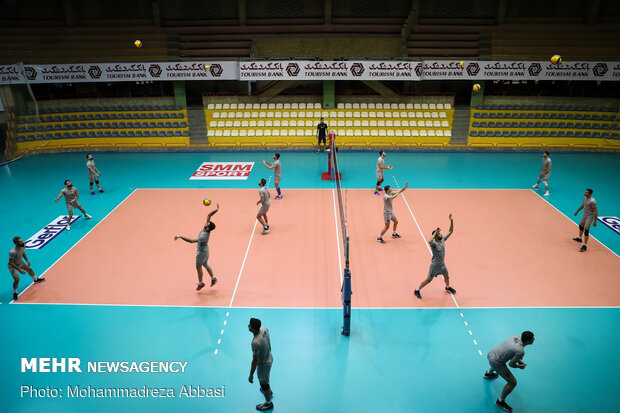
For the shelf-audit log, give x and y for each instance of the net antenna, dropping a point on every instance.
(346, 281)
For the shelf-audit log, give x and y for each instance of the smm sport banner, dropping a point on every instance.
(311, 70)
(118, 72)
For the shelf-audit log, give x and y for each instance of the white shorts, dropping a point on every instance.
(263, 209)
(387, 216)
(262, 372)
(379, 176)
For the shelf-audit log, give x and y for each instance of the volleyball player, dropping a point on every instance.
(545, 171)
(18, 266)
(71, 196)
(379, 172)
(388, 213)
(261, 361)
(438, 266)
(277, 173)
(590, 214)
(509, 351)
(93, 174)
(263, 192)
(202, 249)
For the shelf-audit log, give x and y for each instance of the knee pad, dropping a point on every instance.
(586, 232)
(97, 182)
(580, 228)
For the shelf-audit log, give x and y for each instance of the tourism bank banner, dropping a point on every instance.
(311, 70)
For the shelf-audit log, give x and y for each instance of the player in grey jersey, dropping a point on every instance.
(388, 213)
(509, 351)
(438, 267)
(590, 214)
(379, 171)
(545, 171)
(263, 192)
(277, 173)
(93, 174)
(71, 196)
(202, 249)
(262, 360)
(18, 266)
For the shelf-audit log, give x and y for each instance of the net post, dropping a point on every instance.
(346, 303)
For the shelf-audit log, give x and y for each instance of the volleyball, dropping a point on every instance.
(138, 43)
(206, 202)
(207, 68)
(556, 59)
(476, 87)
(461, 63)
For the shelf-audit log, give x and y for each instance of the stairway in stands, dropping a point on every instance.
(460, 125)
(197, 125)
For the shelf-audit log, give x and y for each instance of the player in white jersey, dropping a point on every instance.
(18, 266)
(261, 361)
(545, 171)
(93, 174)
(509, 351)
(265, 202)
(379, 171)
(277, 173)
(590, 214)
(202, 249)
(438, 267)
(388, 213)
(71, 196)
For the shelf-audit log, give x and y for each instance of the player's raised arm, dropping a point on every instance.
(451, 227)
(217, 208)
(190, 240)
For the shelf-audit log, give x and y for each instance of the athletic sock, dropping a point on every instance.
(500, 400)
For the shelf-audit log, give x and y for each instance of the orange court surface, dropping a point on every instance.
(502, 253)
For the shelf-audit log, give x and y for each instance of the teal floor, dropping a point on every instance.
(395, 360)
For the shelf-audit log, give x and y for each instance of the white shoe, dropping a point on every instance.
(87, 216)
(535, 187)
(547, 193)
(68, 227)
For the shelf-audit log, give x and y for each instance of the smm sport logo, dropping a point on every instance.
(155, 70)
(600, 69)
(31, 72)
(216, 70)
(94, 72)
(534, 69)
(292, 69)
(357, 69)
(473, 69)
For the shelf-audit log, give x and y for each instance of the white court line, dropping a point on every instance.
(84, 236)
(421, 234)
(246, 255)
(337, 237)
(567, 217)
(331, 308)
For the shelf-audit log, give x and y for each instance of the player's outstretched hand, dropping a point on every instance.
(406, 186)
(217, 207)
(576, 213)
(176, 237)
(450, 217)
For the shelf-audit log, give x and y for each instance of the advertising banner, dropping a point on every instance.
(223, 170)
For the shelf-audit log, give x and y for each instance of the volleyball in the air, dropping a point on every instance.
(138, 43)
(461, 63)
(476, 87)
(556, 59)
(206, 202)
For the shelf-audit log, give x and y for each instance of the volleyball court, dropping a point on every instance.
(503, 253)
